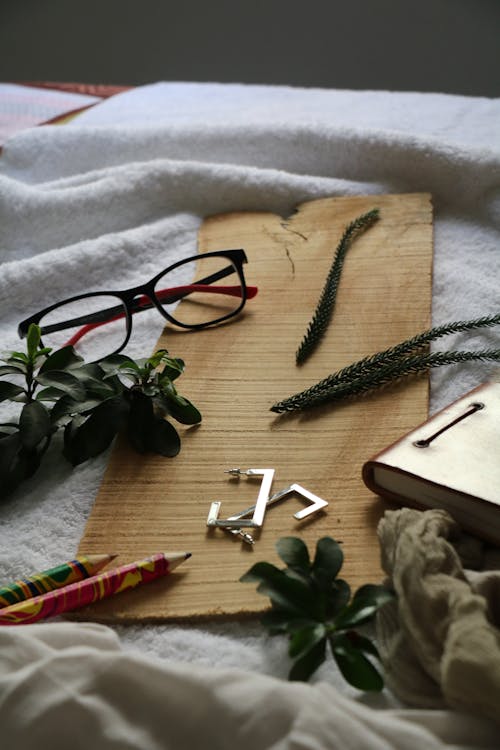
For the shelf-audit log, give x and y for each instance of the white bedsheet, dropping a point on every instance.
(111, 199)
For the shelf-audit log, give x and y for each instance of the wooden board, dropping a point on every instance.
(234, 373)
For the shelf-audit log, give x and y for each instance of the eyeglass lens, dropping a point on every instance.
(201, 291)
(95, 325)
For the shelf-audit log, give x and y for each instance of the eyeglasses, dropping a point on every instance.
(102, 321)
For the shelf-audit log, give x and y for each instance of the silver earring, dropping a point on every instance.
(235, 523)
(258, 509)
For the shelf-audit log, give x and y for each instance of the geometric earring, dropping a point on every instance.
(259, 508)
(235, 523)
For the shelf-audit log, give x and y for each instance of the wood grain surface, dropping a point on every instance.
(235, 372)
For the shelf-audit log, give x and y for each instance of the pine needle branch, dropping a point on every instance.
(409, 346)
(412, 365)
(326, 303)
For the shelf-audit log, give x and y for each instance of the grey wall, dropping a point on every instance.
(421, 45)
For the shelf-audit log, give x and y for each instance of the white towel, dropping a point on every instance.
(114, 197)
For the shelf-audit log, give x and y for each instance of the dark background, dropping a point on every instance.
(449, 46)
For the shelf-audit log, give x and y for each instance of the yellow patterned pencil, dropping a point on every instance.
(53, 578)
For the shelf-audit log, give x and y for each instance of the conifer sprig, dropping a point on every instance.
(413, 345)
(405, 358)
(326, 303)
(329, 390)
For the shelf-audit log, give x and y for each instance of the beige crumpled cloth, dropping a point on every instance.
(440, 638)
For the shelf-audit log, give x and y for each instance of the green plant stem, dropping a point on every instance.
(326, 303)
(30, 382)
(329, 389)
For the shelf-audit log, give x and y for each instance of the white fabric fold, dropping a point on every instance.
(70, 685)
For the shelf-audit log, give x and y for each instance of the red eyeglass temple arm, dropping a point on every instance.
(144, 302)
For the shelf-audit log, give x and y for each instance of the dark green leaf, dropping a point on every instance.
(99, 389)
(84, 372)
(162, 357)
(64, 381)
(172, 369)
(259, 572)
(299, 575)
(61, 359)
(282, 621)
(126, 371)
(140, 422)
(30, 460)
(18, 357)
(287, 593)
(9, 391)
(365, 603)
(17, 462)
(38, 361)
(362, 644)
(291, 594)
(338, 597)
(114, 360)
(67, 406)
(275, 620)
(97, 382)
(32, 341)
(111, 365)
(9, 446)
(144, 364)
(12, 475)
(294, 553)
(303, 640)
(150, 389)
(83, 440)
(164, 439)
(34, 424)
(307, 664)
(180, 408)
(8, 428)
(17, 369)
(327, 560)
(354, 665)
(49, 394)
(42, 355)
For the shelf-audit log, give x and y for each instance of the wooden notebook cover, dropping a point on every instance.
(235, 372)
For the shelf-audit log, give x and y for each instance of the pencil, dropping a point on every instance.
(90, 590)
(53, 578)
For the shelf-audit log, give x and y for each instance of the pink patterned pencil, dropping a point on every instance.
(90, 590)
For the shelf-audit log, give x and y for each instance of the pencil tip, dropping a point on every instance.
(188, 554)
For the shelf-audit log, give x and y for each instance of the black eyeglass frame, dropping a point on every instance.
(127, 296)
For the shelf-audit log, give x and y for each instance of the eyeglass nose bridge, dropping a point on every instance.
(145, 297)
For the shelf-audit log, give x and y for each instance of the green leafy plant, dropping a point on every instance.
(90, 402)
(406, 358)
(314, 608)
